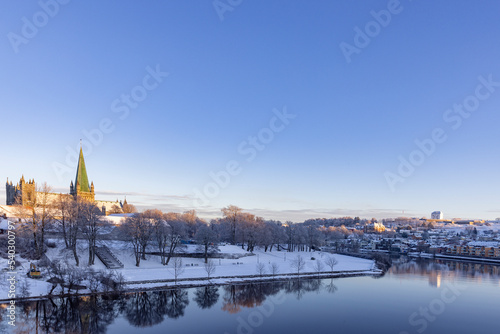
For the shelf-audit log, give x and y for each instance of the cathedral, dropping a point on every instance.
(25, 191)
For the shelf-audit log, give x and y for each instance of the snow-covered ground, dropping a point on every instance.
(242, 264)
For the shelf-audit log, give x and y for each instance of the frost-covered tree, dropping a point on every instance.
(206, 239)
(177, 268)
(37, 214)
(298, 263)
(232, 214)
(261, 268)
(331, 262)
(318, 266)
(210, 268)
(91, 223)
(274, 269)
(136, 229)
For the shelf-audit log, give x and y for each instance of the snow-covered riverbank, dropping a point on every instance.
(236, 266)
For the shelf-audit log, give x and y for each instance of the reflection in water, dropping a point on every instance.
(94, 314)
(252, 295)
(330, 287)
(91, 314)
(146, 309)
(439, 270)
(206, 296)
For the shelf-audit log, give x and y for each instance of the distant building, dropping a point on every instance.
(437, 215)
(24, 193)
(374, 227)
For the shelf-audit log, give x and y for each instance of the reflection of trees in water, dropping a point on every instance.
(89, 314)
(247, 295)
(206, 296)
(93, 314)
(299, 287)
(330, 287)
(146, 309)
(141, 309)
(177, 300)
(252, 295)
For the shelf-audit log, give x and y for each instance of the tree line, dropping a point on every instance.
(164, 234)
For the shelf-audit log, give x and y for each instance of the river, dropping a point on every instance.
(414, 296)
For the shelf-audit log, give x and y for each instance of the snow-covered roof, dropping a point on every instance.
(4, 224)
(122, 215)
(6, 209)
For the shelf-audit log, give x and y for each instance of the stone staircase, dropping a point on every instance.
(108, 258)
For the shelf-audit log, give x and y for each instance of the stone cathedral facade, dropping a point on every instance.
(24, 192)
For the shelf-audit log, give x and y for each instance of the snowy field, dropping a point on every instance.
(242, 264)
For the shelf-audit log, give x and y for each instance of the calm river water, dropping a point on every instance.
(423, 296)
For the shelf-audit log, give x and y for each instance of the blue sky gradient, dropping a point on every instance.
(352, 122)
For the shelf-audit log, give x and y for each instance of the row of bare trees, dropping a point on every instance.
(238, 227)
(82, 220)
(46, 211)
(164, 232)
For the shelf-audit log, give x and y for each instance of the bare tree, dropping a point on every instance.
(298, 263)
(58, 271)
(210, 268)
(91, 223)
(178, 269)
(250, 230)
(161, 236)
(68, 219)
(74, 277)
(313, 237)
(175, 231)
(318, 266)
(24, 287)
(115, 209)
(274, 269)
(93, 279)
(37, 212)
(129, 208)
(291, 235)
(167, 232)
(232, 213)
(191, 221)
(272, 234)
(331, 262)
(146, 235)
(63, 205)
(72, 226)
(261, 268)
(206, 239)
(136, 229)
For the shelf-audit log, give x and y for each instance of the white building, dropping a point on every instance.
(437, 215)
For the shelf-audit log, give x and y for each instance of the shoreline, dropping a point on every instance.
(455, 258)
(152, 285)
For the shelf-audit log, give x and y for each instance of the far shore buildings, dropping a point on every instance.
(437, 215)
(24, 192)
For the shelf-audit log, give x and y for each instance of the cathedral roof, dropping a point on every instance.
(82, 180)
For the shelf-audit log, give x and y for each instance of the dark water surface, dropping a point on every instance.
(424, 296)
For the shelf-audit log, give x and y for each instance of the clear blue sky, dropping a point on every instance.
(353, 119)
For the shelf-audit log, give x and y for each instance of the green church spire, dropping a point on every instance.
(82, 180)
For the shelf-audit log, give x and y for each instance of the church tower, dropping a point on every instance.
(82, 188)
